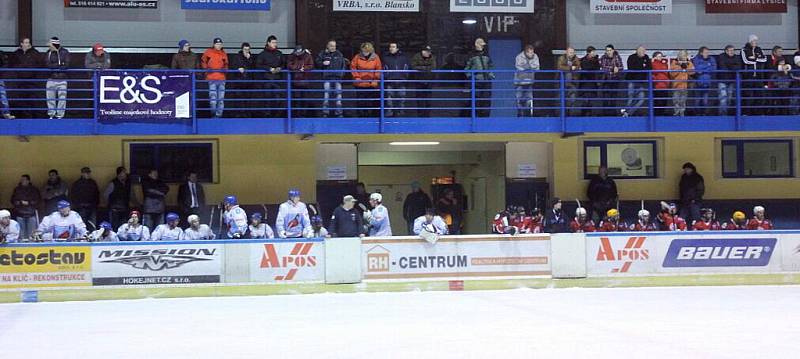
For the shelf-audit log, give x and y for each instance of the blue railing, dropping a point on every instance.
(423, 102)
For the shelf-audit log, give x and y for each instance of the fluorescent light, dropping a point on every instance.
(413, 143)
(469, 21)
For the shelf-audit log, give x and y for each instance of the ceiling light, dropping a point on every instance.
(413, 143)
(469, 21)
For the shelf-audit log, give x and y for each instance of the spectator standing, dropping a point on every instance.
(215, 58)
(415, 205)
(300, 62)
(602, 192)
(154, 192)
(395, 80)
(480, 62)
(779, 83)
(57, 60)
(611, 66)
(191, 196)
(590, 66)
(555, 222)
(366, 83)
(346, 222)
(754, 59)
(98, 58)
(682, 69)
(570, 64)
(5, 107)
(26, 199)
(728, 64)
(704, 66)
(272, 62)
(26, 57)
(526, 63)
(660, 83)
(118, 195)
(451, 210)
(692, 188)
(637, 82)
(55, 190)
(85, 196)
(243, 82)
(185, 59)
(332, 62)
(424, 63)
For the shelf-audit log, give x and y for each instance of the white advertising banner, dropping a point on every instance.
(631, 6)
(484, 6)
(376, 5)
(146, 264)
(456, 256)
(288, 262)
(790, 253)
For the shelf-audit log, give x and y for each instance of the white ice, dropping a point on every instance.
(646, 323)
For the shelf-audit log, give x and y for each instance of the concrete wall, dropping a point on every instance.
(8, 22)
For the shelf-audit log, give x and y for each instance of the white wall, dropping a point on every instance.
(162, 27)
(8, 22)
(687, 27)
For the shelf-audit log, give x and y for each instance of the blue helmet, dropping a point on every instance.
(256, 215)
(105, 225)
(231, 199)
(62, 204)
(172, 217)
(316, 220)
(294, 193)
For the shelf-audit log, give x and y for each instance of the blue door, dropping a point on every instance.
(503, 52)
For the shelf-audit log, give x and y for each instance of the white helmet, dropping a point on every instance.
(4, 214)
(758, 209)
(580, 212)
(193, 218)
(376, 196)
(644, 213)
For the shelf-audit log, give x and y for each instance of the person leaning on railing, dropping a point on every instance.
(681, 69)
(570, 64)
(98, 58)
(526, 63)
(637, 81)
(660, 83)
(705, 67)
(727, 64)
(332, 62)
(424, 63)
(4, 105)
(57, 59)
(25, 86)
(480, 62)
(366, 82)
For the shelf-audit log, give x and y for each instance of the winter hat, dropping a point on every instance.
(217, 40)
(183, 43)
(55, 40)
(427, 48)
(97, 48)
(193, 217)
(752, 38)
(797, 60)
(298, 49)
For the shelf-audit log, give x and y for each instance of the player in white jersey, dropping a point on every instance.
(378, 218)
(197, 231)
(9, 228)
(235, 218)
(62, 225)
(258, 229)
(104, 234)
(292, 220)
(133, 230)
(170, 230)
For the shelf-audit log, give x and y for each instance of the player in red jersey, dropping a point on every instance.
(759, 221)
(581, 223)
(707, 222)
(737, 223)
(669, 220)
(643, 224)
(612, 223)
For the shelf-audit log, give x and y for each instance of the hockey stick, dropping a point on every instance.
(211, 217)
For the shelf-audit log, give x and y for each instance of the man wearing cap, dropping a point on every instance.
(215, 58)
(197, 231)
(424, 63)
(170, 230)
(104, 234)
(57, 60)
(85, 196)
(98, 58)
(9, 228)
(185, 59)
(430, 222)
(258, 229)
(62, 225)
(292, 218)
(333, 62)
(415, 205)
(346, 222)
(378, 218)
(480, 62)
(300, 62)
(133, 230)
(234, 217)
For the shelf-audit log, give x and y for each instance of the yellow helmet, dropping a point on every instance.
(739, 215)
(612, 212)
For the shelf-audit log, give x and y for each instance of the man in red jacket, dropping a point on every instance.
(215, 58)
(300, 63)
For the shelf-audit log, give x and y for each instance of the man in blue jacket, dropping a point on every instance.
(395, 81)
(332, 60)
(704, 67)
(346, 221)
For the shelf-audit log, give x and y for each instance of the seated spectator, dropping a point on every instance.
(682, 69)
(430, 222)
(661, 83)
(197, 231)
(300, 62)
(705, 66)
(9, 228)
(104, 234)
(365, 66)
(133, 230)
(759, 221)
(98, 58)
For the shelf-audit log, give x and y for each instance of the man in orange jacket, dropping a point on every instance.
(215, 58)
(366, 83)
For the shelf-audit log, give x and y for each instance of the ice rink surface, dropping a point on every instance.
(647, 323)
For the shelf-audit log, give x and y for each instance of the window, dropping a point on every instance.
(757, 158)
(624, 159)
(173, 160)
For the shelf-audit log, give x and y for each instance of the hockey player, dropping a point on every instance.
(707, 222)
(378, 217)
(582, 223)
(669, 220)
(503, 222)
(528, 224)
(133, 230)
(169, 231)
(431, 223)
(62, 225)
(759, 221)
(738, 222)
(258, 229)
(197, 231)
(235, 218)
(104, 234)
(611, 223)
(316, 230)
(643, 224)
(292, 218)
(9, 228)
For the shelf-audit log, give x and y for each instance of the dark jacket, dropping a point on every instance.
(54, 191)
(240, 61)
(397, 61)
(424, 66)
(639, 64)
(84, 193)
(27, 193)
(415, 205)
(555, 222)
(346, 224)
(295, 62)
(119, 194)
(589, 64)
(185, 60)
(57, 60)
(607, 64)
(337, 62)
(602, 190)
(728, 63)
(758, 61)
(155, 192)
(185, 196)
(94, 62)
(480, 61)
(270, 58)
(692, 187)
(31, 59)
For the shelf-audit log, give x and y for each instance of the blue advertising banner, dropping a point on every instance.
(261, 5)
(144, 95)
(733, 252)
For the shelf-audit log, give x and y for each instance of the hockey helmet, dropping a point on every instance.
(62, 204)
(231, 200)
(294, 192)
(172, 217)
(739, 216)
(611, 213)
(376, 197)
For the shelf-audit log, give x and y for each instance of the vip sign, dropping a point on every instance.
(631, 6)
(287, 262)
(484, 6)
(611, 256)
(500, 23)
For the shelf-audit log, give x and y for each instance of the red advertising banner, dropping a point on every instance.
(745, 6)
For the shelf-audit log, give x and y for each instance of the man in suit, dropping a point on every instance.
(191, 197)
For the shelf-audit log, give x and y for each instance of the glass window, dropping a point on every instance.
(757, 158)
(624, 159)
(173, 160)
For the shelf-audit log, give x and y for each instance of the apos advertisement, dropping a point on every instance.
(453, 257)
(157, 264)
(45, 266)
(620, 254)
(287, 262)
(631, 6)
(144, 95)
